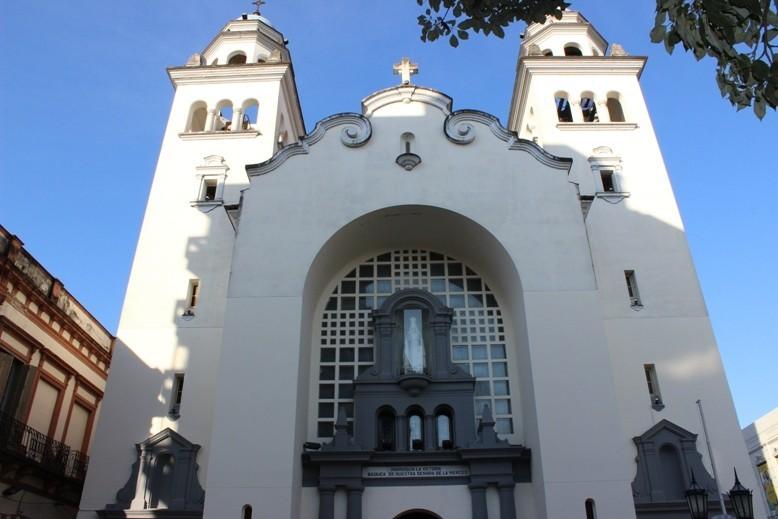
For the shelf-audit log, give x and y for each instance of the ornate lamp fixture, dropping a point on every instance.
(697, 499)
(742, 500)
(407, 160)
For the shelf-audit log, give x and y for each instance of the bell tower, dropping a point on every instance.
(579, 97)
(234, 103)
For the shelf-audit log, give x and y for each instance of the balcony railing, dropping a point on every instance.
(19, 440)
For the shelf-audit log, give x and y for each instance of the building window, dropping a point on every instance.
(608, 181)
(444, 437)
(563, 112)
(209, 190)
(653, 387)
(591, 512)
(178, 391)
(416, 431)
(385, 429)
(193, 295)
(548, 52)
(13, 388)
(632, 289)
(479, 343)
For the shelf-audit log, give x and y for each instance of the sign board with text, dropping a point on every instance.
(416, 471)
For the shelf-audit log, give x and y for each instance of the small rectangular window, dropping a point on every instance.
(178, 390)
(608, 183)
(209, 190)
(653, 386)
(194, 293)
(632, 288)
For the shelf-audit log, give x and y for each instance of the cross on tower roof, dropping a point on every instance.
(405, 69)
(259, 4)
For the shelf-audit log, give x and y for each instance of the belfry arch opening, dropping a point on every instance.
(444, 238)
(237, 58)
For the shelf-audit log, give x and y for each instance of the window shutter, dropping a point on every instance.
(25, 391)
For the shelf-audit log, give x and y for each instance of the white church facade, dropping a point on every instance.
(412, 311)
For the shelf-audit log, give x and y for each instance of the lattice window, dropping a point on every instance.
(478, 341)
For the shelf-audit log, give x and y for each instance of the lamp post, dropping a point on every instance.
(697, 499)
(742, 500)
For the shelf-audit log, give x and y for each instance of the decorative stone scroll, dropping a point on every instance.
(460, 128)
(356, 130)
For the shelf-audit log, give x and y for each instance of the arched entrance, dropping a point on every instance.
(430, 233)
(418, 514)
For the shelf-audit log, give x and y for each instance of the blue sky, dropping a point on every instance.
(85, 101)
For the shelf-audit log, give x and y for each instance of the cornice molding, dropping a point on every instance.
(567, 28)
(566, 66)
(459, 129)
(254, 27)
(575, 65)
(600, 126)
(228, 73)
(406, 94)
(200, 136)
(356, 131)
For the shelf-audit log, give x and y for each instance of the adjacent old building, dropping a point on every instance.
(412, 311)
(54, 359)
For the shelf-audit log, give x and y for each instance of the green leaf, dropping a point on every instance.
(658, 33)
(453, 41)
(760, 70)
(760, 107)
(462, 34)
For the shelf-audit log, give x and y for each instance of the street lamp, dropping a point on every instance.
(697, 499)
(742, 500)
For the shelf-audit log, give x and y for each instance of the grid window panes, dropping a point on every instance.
(478, 340)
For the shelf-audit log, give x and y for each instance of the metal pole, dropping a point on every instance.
(712, 461)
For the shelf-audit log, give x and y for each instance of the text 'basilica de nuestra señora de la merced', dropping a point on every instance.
(412, 311)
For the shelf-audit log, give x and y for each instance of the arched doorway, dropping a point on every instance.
(417, 514)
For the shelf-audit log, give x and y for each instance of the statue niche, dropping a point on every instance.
(414, 353)
(412, 342)
(398, 400)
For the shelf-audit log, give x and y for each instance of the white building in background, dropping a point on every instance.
(412, 311)
(762, 444)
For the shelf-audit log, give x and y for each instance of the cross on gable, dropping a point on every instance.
(259, 4)
(405, 69)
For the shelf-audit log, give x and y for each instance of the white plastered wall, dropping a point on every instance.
(529, 208)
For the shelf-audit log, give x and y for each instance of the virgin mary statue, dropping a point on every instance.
(413, 349)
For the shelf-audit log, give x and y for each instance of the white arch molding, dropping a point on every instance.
(421, 228)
